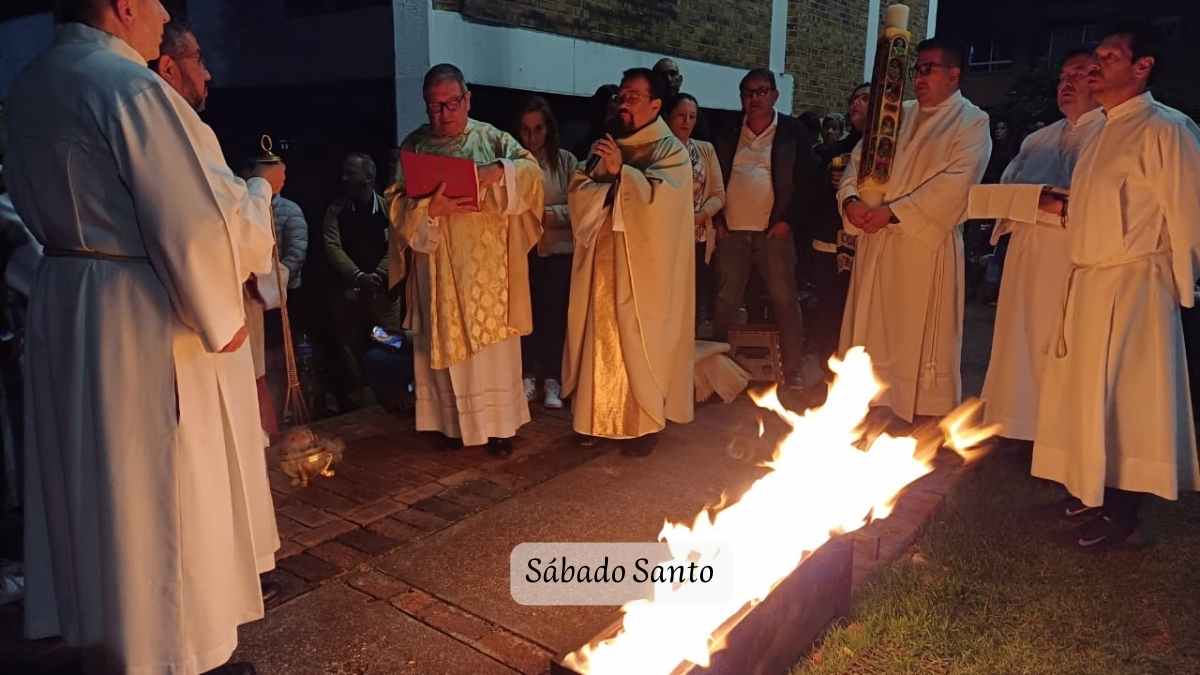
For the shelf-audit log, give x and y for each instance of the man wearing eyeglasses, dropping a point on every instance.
(469, 294)
(771, 184)
(182, 66)
(905, 303)
(631, 323)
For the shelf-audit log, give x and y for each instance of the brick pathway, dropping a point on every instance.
(396, 485)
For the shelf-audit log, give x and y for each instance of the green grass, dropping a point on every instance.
(993, 586)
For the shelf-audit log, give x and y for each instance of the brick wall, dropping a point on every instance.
(825, 43)
(825, 38)
(716, 31)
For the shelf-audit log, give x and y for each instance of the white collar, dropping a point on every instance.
(80, 32)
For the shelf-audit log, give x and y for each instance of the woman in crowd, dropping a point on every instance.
(550, 262)
(708, 195)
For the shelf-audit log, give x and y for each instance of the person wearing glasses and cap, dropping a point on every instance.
(469, 295)
(905, 303)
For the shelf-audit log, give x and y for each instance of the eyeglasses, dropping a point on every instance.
(451, 105)
(630, 97)
(757, 93)
(924, 69)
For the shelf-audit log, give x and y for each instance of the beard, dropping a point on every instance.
(623, 124)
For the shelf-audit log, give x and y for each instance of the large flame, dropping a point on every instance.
(820, 485)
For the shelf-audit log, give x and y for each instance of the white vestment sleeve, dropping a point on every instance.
(185, 230)
(849, 188)
(1175, 156)
(254, 240)
(512, 199)
(940, 203)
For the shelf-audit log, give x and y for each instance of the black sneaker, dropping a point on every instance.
(1105, 531)
(270, 590)
(1072, 507)
(500, 447)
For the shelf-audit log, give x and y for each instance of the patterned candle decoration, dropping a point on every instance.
(884, 111)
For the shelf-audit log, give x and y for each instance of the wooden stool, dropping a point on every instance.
(756, 348)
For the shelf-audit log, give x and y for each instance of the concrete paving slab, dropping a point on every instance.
(611, 498)
(337, 629)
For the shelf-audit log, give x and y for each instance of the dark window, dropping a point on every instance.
(991, 55)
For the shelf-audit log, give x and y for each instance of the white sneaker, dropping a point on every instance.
(530, 389)
(553, 394)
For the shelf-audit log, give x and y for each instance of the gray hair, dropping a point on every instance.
(172, 41)
(173, 34)
(443, 72)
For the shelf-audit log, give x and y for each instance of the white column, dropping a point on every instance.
(931, 22)
(872, 39)
(410, 25)
(779, 15)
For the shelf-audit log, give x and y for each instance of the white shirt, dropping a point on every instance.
(751, 193)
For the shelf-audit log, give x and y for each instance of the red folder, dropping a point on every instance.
(423, 173)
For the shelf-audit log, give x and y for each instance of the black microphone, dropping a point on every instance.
(611, 127)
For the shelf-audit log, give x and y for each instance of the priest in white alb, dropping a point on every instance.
(1038, 262)
(1115, 416)
(629, 362)
(139, 543)
(468, 293)
(905, 303)
(181, 65)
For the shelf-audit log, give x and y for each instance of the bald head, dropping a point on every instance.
(670, 70)
(138, 23)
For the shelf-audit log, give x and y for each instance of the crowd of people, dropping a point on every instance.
(578, 277)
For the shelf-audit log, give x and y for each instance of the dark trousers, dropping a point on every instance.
(1191, 342)
(705, 284)
(775, 260)
(550, 290)
(389, 372)
(832, 287)
(352, 319)
(1121, 505)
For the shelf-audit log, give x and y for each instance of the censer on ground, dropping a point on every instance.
(302, 453)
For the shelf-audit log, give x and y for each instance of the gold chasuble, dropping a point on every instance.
(628, 364)
(473, 290)
(468, 290)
